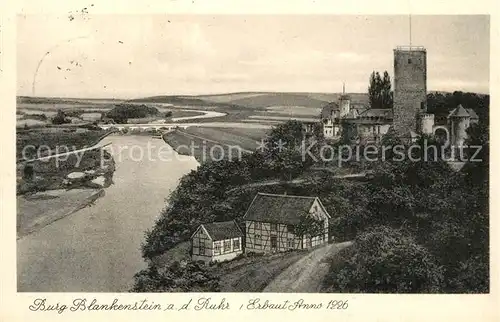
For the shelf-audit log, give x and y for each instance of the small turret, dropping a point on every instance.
(459, 120)
(426, 123)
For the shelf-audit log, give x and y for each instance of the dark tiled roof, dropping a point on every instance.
(459, 112)
(282, 209)
(472, 113)
(223, 230)
(377, 112)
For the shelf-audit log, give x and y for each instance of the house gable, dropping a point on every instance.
(203, 229)
(223, 230)
(320, 209)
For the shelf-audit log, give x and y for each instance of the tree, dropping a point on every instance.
(379, 91)
(122, 112)
(384, 260)
(309, 227)
(387, 95)
(60, 118)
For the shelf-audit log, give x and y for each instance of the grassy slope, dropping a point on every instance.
(245, 138)
(253, 274)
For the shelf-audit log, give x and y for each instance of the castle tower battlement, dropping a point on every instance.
(426, 123)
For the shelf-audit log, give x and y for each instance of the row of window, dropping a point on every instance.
(257, 242)
(227, 246)
(273, 227)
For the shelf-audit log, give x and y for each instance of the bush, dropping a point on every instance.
(177, 277)
(60, 118)
(384, 260)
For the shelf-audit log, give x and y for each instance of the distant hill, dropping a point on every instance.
(266, 99)
(181, 100)
(255, 100)
(279, 99)
(240, 100)
(64, 100)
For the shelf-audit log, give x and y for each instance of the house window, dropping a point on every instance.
(291, 243)
(227, 246)
(290, 229)
(274, 242)
(258, 225)
(409, 60)
(201, 247)
(236, 244)
(216, 248)
(274, 227)
(257, 240)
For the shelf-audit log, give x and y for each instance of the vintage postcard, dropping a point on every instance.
(192, 162)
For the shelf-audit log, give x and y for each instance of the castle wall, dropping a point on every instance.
(410, 87)
(345, 106)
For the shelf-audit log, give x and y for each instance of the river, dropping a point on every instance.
(97, 249)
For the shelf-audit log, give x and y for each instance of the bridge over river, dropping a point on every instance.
(171, 126)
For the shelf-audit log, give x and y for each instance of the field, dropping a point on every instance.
(29, 115)
(33, 140)
(247, 107)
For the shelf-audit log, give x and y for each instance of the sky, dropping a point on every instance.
(127, 56)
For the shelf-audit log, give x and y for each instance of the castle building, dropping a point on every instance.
(408, 116)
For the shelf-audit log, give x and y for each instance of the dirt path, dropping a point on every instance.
(294, 181)
(306, 275)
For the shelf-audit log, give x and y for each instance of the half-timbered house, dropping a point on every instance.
(217, 241)
(272, 223)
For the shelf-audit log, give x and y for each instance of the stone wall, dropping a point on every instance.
(410, 87)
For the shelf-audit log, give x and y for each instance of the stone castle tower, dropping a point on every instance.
(410, 87)
(459, 122)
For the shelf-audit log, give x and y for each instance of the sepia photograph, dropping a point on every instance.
(252, 153)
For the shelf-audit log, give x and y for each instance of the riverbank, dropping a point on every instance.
(97, 248)
(205, 143)
(38, 210)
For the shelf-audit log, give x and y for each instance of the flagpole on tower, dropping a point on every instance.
(410, 29)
